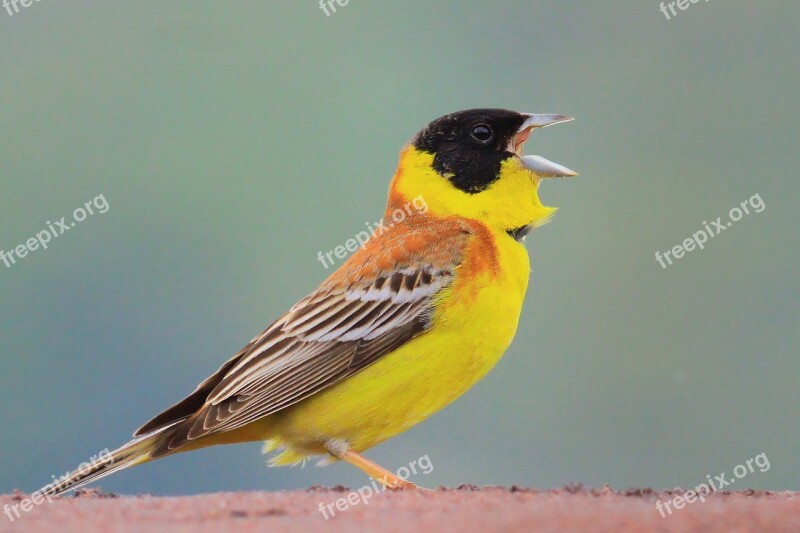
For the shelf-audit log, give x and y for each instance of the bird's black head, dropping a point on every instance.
(470, 165)
(469, 146)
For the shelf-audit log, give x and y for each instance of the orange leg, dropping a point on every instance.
(373, 470)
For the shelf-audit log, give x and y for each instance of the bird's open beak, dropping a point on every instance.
(537, 164)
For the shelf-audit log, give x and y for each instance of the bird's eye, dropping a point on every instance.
(482, 133)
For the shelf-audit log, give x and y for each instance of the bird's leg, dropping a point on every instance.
(390, 481)
(374, 470)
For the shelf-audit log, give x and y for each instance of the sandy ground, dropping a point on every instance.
(461, 509)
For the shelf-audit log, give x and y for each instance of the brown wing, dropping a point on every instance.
(361, 313)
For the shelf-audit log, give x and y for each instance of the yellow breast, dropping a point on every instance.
(474, 322)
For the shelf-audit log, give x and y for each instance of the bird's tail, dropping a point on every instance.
(133, 453)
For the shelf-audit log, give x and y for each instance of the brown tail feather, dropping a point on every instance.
(135, 452)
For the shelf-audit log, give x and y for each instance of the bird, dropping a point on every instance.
(407, 324)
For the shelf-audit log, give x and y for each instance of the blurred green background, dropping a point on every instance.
(233, 141)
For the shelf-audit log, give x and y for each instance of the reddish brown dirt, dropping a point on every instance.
(463, 509)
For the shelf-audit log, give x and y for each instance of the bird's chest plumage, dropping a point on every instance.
(473, 322)
(481, 311)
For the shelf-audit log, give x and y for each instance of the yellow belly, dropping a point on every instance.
(471, 329)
